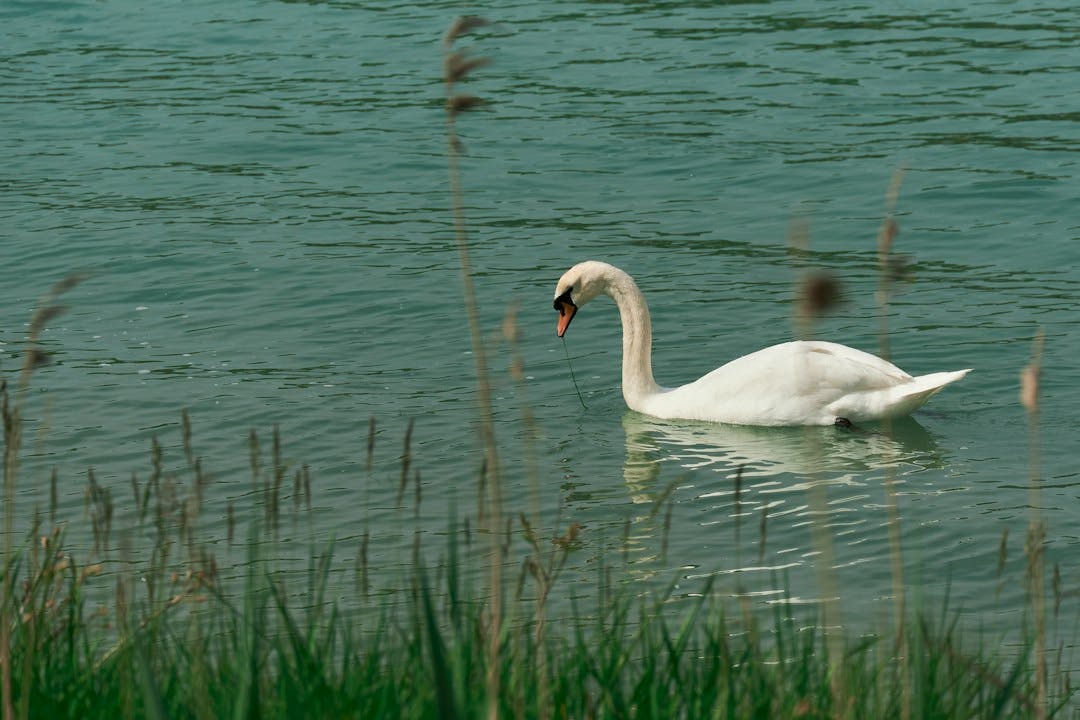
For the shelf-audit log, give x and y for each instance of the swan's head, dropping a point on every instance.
(577, 286)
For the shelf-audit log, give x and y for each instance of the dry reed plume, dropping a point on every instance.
(457, 67)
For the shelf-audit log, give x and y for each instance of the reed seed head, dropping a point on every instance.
(44, 316)
(569, 537)
(1029, 388)
(462, 103)
(458, 66)
(36, 358)
(820, 293)
(889, 230)
(463, 25)
(68, 283)
(1029, 376)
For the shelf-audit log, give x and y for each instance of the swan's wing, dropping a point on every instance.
(846, 370)
(803, 369)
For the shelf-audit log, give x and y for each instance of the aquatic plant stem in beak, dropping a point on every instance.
(572, 378)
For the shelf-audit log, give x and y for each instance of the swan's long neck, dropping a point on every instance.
(637, 377)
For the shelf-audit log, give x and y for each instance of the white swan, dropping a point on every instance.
(794, 383)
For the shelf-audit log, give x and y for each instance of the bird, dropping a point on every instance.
(801, 382)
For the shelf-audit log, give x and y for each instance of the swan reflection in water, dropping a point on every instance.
(742, 492)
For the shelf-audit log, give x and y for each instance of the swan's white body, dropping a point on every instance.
(794, 383)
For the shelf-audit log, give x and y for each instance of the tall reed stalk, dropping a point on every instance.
(888, 272)
(817, 293)
(1036, 539)
(457, 66)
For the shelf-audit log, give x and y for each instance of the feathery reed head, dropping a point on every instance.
(463, 25)
(457, 66)
(1029, 376)
(820, 293)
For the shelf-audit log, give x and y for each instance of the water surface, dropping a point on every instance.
(259, 191)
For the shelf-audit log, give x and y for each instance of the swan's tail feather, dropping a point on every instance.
(896, 401)
(935, 381)
(911, 396)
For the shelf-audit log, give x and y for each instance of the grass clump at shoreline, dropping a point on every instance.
(264, 653)
(166, 634)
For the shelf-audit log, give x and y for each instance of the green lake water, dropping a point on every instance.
(259, 191)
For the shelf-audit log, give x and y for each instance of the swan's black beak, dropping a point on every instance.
(566, 308)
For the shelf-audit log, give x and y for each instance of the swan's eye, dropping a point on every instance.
(563, 300)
